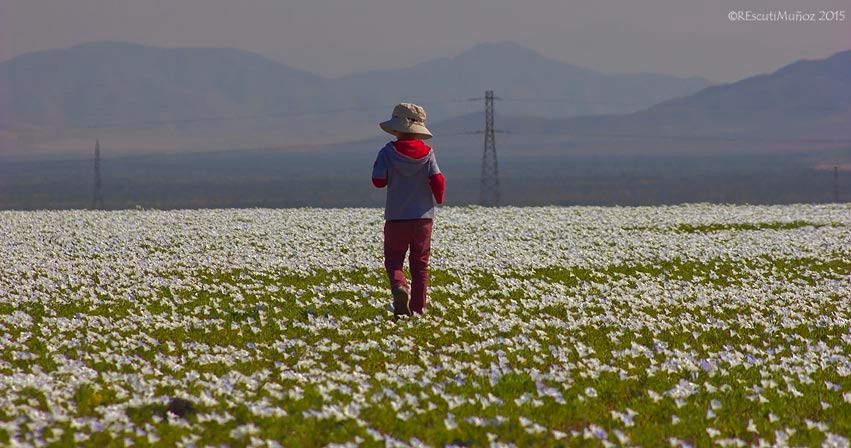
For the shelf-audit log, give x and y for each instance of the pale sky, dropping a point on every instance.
(335, 37)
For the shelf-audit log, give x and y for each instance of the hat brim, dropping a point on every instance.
(395, 125)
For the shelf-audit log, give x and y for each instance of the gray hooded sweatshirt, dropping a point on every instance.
(409, 195)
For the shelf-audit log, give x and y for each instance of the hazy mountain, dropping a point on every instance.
(128, 87)
(802, 107)
(530, 83)
(121, 82)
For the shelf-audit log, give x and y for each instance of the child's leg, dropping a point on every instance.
(420, 251)
(395, 245)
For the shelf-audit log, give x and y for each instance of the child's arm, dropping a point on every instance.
(436, 180)
(379, 171)
(438, 186)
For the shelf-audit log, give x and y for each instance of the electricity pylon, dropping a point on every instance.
(489, 193)
(97, 198)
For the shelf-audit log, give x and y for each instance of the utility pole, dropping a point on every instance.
(489, 193)
(97, 199)
(836, 183)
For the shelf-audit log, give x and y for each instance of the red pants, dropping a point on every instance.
(399, 236)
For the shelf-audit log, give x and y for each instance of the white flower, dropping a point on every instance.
(752, 426)
(449, 422)
(590, 392)
(263, 311)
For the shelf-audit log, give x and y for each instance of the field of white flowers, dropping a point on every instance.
(690, 325)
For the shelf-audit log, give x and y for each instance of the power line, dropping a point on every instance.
(220, 118)
(214, 152)
(663, 137)
(643, 106)
(164, 154)
(691, 137)
(573, 101)
(250, 117)
(456, 134)
(479, 132)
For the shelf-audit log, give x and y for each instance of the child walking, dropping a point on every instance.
(408, 168)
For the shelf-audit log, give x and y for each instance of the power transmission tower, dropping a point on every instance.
(97, 199)
(835, 183)
(489, 193)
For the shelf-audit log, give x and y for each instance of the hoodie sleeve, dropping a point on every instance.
(436, 180)
(379, 170)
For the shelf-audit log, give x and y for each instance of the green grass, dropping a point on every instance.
(498, 346)
(734, 227)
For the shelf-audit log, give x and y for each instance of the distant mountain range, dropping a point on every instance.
(128, 86)
(111, 82)
(532, 83)
(148, 99)
(802, 107)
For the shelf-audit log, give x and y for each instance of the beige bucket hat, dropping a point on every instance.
(409, 118)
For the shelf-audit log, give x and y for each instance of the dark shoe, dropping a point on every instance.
(401, 300)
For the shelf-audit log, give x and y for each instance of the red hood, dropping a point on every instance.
(412, 148)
